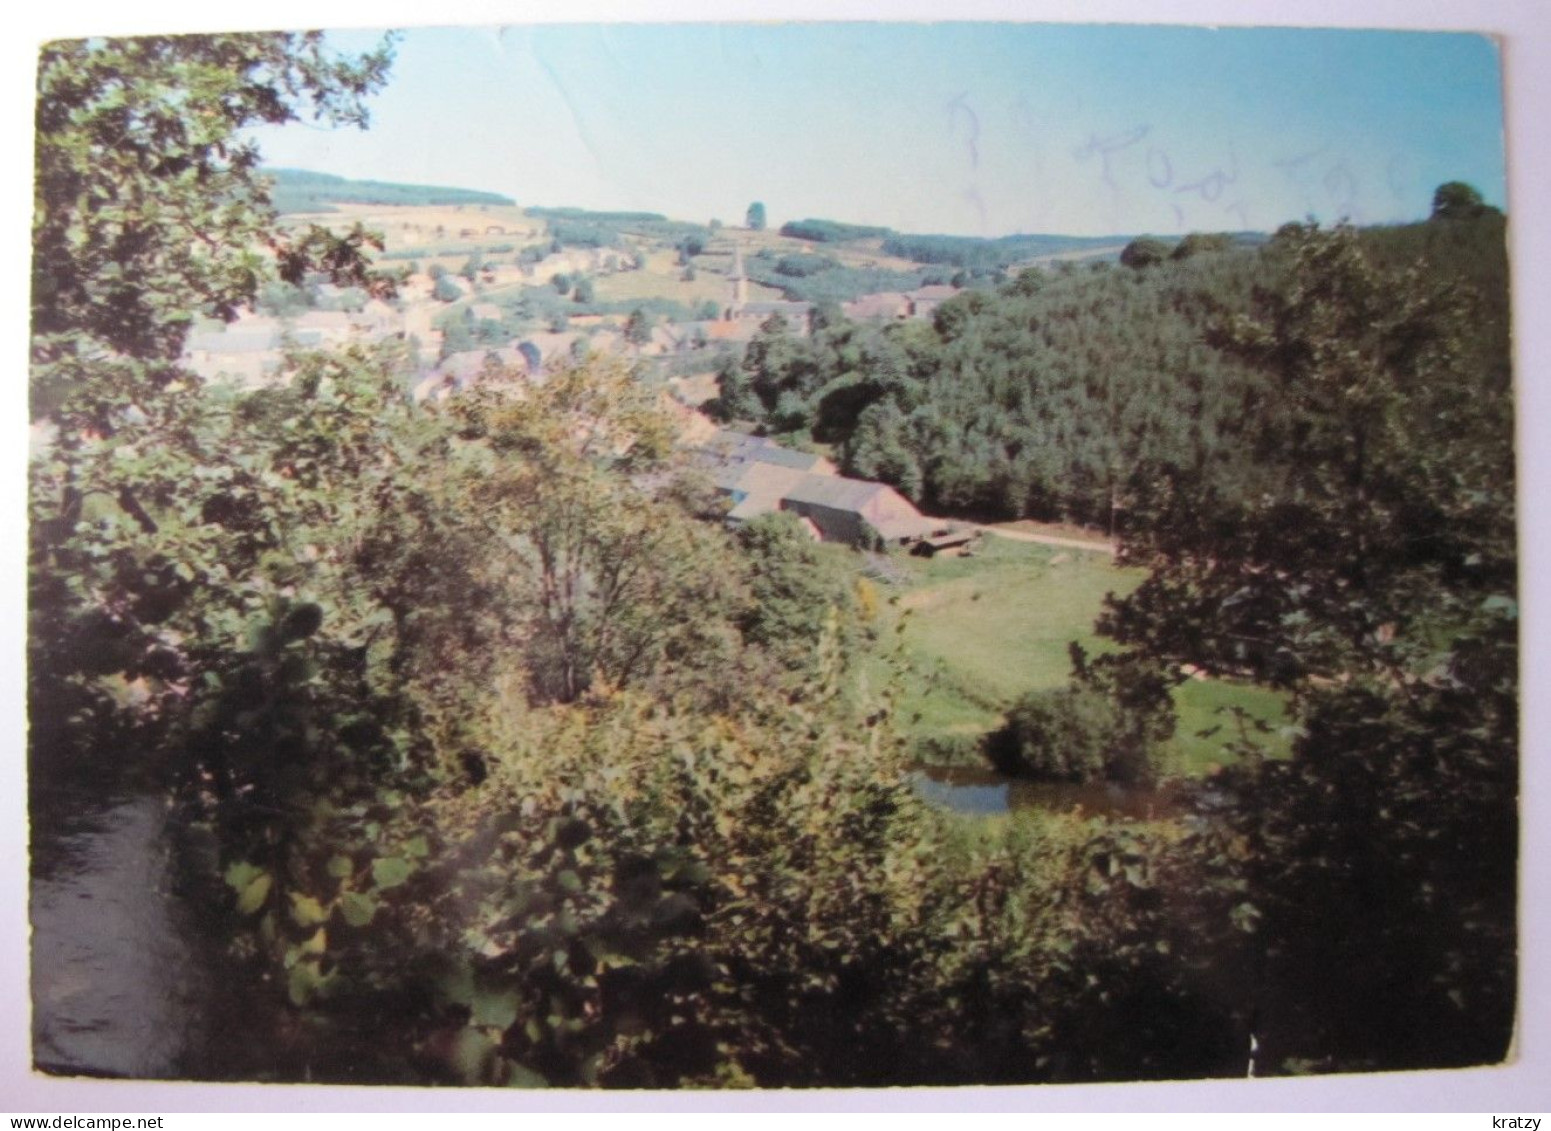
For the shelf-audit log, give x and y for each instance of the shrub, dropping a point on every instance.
(1106, 725)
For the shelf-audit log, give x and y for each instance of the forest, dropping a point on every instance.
(498, 764)
(297, 190)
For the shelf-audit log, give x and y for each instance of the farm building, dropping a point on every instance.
(855, 511)
(759, 476)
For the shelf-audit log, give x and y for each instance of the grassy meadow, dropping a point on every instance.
(964, 637)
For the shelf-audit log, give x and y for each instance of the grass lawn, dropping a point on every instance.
(1206, 705)
(967, 636)
(975, 633)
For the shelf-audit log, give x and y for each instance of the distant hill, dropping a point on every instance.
(967, 252)
(297, 190)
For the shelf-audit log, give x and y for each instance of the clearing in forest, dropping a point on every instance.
(968, 636)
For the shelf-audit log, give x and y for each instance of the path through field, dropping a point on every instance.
(1096, 545)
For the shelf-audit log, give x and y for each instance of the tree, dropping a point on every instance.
(1200, 243)
(735, 399)
(149, 210)
(638, 328)
(1374, 575)
(795, 593)
(620, 587)
(446, 290)
(138, 146)
(1144, 251)
(1457, 200)
(755, 218)
(1105, 725)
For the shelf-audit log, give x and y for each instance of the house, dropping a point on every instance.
(920, 303)
(877, 307)
(466, 368)
(727, 448)
(924, 301)
(760, 477)
(756, 488)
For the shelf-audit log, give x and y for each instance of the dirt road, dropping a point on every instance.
(1048, 539)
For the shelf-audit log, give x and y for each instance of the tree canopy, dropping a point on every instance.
(1374, 575)
(150, 209)
(1457, 200)
(1144, 251)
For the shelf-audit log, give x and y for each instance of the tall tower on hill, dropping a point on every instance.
(739, 281)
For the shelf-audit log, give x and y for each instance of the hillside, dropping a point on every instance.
(300, 191)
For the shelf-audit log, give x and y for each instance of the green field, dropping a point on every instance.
(963, 637)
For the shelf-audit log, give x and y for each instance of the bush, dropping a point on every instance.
(1061, 735)
(1144, 252)
(1105, 726)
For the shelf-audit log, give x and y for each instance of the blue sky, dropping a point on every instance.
(982, 129)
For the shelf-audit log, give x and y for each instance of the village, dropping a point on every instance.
(431, 311)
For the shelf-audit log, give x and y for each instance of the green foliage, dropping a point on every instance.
(1105, 725)
(296, 190)
(124, 173)
(1145, 251)
(754, 219)
(829, 231)
(984, 255)
(812, 278)
(1046, 399)
(588, 216)
(591, 234)
(1200, 243)
(1375, 576)
(797, 595)
(799, 266)
(1056, 735)
(1458, 201)
(638, 328)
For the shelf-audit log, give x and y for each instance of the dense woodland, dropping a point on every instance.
(1063, 395)
(520, 772)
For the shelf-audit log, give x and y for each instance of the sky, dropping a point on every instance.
(963, 128)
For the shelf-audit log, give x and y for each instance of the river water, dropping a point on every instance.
(985, 792)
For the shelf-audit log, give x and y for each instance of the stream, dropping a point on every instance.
(984, 792)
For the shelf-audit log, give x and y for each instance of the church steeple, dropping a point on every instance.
(739, 281)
